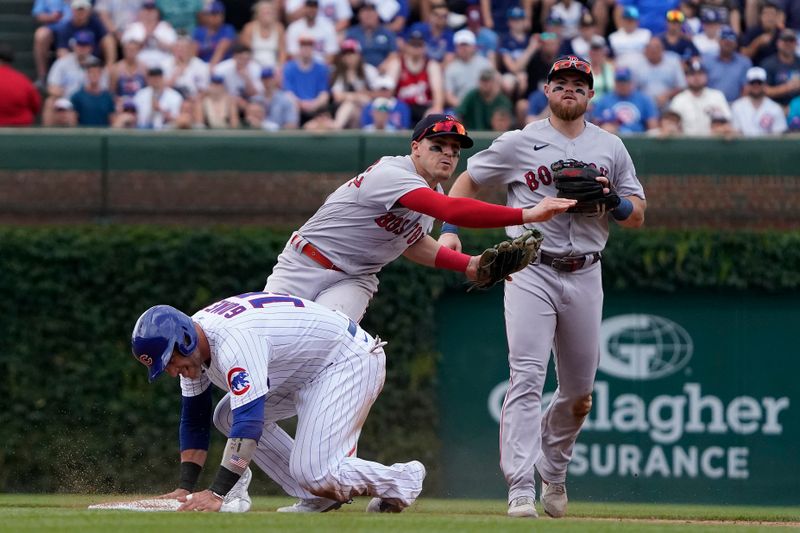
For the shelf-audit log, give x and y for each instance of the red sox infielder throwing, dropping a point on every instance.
(384, 212)
(555, 303)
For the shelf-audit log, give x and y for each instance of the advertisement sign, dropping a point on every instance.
(695, 399)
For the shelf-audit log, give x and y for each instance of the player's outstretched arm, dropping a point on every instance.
(428, 252)
(547, 209)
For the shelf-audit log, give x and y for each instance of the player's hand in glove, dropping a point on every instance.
(584, 183)
(501, 260)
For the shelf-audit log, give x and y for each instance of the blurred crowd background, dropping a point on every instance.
(661, 67)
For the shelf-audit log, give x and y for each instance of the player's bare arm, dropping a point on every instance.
(636, 219)
(428, 252)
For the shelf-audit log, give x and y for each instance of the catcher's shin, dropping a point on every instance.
(577, 180)
(505, 258)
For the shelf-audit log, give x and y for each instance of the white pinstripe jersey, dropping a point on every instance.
(262, 341)
(361, 227)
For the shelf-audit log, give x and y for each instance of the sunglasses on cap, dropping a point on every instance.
(450, 125)
(572, 63)
(675, 15)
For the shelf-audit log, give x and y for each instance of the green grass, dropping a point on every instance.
(68, 513)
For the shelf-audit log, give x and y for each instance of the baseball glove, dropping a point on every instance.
(577, 180)
(503, 259)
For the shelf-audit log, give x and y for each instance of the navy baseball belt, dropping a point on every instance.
(569, 263)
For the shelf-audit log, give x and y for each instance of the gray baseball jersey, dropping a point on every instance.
(521, 159)
(361, 228)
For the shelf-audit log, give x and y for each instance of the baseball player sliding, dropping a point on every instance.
(556, 303)
(278, 356)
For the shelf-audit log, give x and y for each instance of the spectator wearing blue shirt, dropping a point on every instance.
(494, 14)
(438, 37)
(625, 110)
(652, 13)
(378, 43)
(487, 40)
(399, 112)
(84, 19)
(675, 38)
(727, 69)
(793, 118)
(93, 104)
(47, 14)
(783, 69)
(306, 81)
(214, 38)
(516, 49)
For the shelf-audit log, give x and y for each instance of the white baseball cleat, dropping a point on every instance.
(315, 505)
(554, 499)
(523, 507)
(238, 500)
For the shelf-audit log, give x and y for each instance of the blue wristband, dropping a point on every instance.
(449, 228)
(623, 210)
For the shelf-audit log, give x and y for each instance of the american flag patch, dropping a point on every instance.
(238, 461)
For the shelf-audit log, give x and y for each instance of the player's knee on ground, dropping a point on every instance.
(223, 416)
(582, 406)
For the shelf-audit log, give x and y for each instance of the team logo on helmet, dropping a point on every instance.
(238, 380)
(145, 359)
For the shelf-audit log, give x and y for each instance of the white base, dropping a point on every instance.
(147, 505)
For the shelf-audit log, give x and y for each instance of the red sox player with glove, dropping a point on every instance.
(369, 221)
(555, 303)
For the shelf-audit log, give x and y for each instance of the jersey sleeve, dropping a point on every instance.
(384, 184)
(624, 177)
(243, 357)
(194, 387)
(496, 164)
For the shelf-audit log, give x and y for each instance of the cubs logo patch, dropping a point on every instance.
(238, 380)
(145, 359)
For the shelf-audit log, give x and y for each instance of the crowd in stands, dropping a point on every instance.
(661, 67)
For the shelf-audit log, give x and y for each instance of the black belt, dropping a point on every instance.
(569, 263)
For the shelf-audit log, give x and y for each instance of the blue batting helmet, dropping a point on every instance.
(157, 333)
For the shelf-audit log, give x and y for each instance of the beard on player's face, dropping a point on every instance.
(572, 110)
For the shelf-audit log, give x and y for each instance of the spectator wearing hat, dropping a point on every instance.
(306, 80)
(181, 15)
(727, 69)
(117, 15)
(337, 12)
(125, 117)
(755, 114)
(707, 41)
(436, 34)
(540, 62)
(126, 76)
(67, 75)
(626, 110)
(479, 104)
(378, 43)
(380, 110)
(517, 46)
(93, 103)
(602, 69)
(629, 40)
(698, 102)
(652, 14)
(184, 71)
(760, 41)
(213, 37)
(62, 115)
(486, 39)
(318, 28)
(675, 38)
(217, 108)
(280, 110)
(84, 19)
(555, 25)
(241, 75)
(265, 35)
(729, 12)
(157, 36)
(783, 69)
(351, 82)
(399, 112)
(157, 105)
(657, 74)
(569, 12)
(19, 100)
(419, 80)
(462, 73)
(579, 45)
(494, 13)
